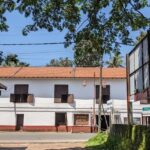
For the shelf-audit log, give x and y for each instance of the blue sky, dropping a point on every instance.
(40, 55)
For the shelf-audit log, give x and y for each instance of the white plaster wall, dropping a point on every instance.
(44, 88)
(39, 118)
(42, 112)
(7, 118)
(70, 119)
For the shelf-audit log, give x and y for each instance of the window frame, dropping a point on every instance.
(57, 98)
(75, 119)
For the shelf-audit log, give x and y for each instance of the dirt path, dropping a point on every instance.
(51, 146)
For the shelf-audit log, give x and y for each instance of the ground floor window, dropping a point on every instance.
(61, 119)
(81, 119)
(136, 120)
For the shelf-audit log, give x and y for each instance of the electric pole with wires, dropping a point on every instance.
(100, 94)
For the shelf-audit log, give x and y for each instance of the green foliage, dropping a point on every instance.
(5, 6)
(140, 37)
(86, 55)
(61, 62)
(104, 22)
(97, 141)
(115, 60)
(12, 60)
(122, 137)
(1, 57)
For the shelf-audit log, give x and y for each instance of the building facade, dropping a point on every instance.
(61, 99)
(139, 77)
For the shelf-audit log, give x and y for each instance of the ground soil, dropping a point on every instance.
(44, 146)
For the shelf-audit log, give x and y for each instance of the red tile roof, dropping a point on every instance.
(60, 72)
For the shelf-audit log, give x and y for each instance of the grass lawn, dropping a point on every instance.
(98, 142)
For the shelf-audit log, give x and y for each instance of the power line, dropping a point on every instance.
(50, 52)
(26, 44)
(48, 43)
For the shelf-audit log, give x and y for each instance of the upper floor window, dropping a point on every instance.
(105, 93)
(21, 94)
(61, 94)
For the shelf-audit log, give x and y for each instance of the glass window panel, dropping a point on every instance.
(145, 50)
(139, 80)
(131, 59)
(138, 57)
(132, 87)
(146, 76)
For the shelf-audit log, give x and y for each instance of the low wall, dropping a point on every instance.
(72, 129)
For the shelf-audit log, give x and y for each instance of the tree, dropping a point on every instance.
(140, 37)
(1, 58)
(85, 55)
(12, 60)
(110, 22)
(61, 62)
(115, 60)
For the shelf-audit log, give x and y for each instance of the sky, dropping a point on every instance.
(41, 55)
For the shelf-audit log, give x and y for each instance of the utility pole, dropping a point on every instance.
(100, 95)
(129, 108)
(94, 102)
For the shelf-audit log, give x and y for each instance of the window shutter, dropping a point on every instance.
(30, 98)
(59, 91)
(70, 98)
(12, 98)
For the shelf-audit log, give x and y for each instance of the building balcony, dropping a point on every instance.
(143, 97)
(22, 98)
(65, 98)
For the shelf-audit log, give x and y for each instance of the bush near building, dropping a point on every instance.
(122, 137)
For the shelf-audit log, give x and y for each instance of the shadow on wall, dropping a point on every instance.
(13, 148)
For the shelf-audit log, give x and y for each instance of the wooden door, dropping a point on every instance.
(19, 122)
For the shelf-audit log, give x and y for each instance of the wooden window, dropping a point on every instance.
(105, 93)
(20, 93)
(61, 93)
(81, 119)
(60, 119)
(21, 89)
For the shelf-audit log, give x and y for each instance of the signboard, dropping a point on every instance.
(146, 109)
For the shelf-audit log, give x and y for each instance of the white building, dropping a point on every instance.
(57, 98)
